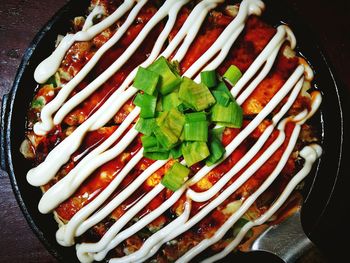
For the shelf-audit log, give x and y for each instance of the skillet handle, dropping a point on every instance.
(288, 241)
(3, 124)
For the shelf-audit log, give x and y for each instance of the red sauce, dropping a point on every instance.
(89, 106)
(96, 182)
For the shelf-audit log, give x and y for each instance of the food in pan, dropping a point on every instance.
(169, 130)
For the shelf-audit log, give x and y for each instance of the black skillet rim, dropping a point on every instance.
(53, 248)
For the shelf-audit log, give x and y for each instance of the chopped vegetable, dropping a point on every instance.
(146, 80)
(166, 137)
(208, 78)
(54, 80)
(222, 87)
(196, 96)
(169, 78)
(221, 97)
(38, 103)
(176, 152)
(195, 116)
(149, 141)
(217, 132)
(169, 128)
(174, 120)
(194, 152)
(232, 75)
(147, 103)
(156, 155)
(171, 101)
(217, 150)
(238, 226)
(145, 126)
(175, 176)
(196, 131)
(230, 116)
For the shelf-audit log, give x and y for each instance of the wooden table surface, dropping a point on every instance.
(19, 22)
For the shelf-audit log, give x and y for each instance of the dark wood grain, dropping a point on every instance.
(19, 22)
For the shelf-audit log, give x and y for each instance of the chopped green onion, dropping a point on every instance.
(159, 106)
(156, 155)
(222, 87)
(165, 137)
(208, 78)
(221, 97)
(171, 101)
(38, 103)
(183, 107)
(176, 152)
(170, 126)
(169, 78)
(175, 177)
(217, 132)
(54, 80)
(147, 103)
(145, 126)
(196, 131)
(196, 116)
(217, 150)
(149, 141)
(146, 80)
(238, 226)
(230, 116)
(161, 117)
(194, 152)
(173, 120)
(195, 95)
(232, 75)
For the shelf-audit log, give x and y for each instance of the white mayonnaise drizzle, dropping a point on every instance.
(47, 123)
(89, 21)
(44, 172)
(49, 66)
(48, 200)
(65, 187)
(310, 154)
(87, 249)
(97, 209)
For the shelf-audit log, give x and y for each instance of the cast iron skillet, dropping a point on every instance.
(319, 184)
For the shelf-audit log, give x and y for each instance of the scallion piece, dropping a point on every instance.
(165, 137)
(221, 97)
(176, 152)
(217, 150)
(173, 120)
(147, 103)
(222, 87)
(217, 132)
(171, 101)
(208, 78)
(183, 107)
(145, 126)
(169, 78)
(194, 152)
(156, 155)
(239, 225)
(149, 141)
(195, 116)
(146, 80)
(197, 96)
(196, 131)
(175, 177)
(159, 106)
(230, 116)
(232, 75)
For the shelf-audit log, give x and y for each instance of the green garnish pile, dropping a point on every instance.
(178, 115)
